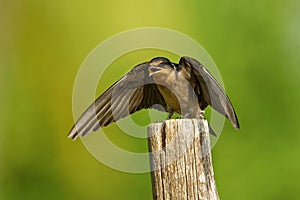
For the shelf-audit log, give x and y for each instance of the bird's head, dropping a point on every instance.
(160, 66)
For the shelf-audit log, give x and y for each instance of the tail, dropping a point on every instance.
(211, 131)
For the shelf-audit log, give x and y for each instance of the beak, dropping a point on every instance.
(153, 69)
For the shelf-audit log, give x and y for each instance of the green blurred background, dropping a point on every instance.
(255, 44)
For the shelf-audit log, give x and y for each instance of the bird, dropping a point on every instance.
(186, 88)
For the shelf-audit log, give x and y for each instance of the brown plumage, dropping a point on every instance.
(186, 88)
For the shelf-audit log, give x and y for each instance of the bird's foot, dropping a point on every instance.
(170, 115)
(201, 114)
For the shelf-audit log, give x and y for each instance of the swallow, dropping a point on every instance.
(186, 88)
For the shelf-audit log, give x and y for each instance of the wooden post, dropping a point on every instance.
(180, 160)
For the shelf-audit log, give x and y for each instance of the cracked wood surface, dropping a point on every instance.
(180, 160)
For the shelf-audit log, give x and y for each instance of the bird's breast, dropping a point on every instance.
(177, 92)
(170, 98)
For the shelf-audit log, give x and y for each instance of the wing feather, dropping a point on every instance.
(210, 91)
(133, 92)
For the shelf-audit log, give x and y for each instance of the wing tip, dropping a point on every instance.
(73, 134)
(234, 120)
(236, 124)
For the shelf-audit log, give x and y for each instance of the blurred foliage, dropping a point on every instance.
(255, 44)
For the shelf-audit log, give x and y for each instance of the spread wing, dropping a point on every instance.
(133, 92)
(209, 91)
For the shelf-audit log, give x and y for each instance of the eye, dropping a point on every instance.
(162, 65)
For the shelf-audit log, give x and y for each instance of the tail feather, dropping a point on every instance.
(211, 131)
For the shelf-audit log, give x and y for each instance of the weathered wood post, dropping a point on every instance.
(180, 160)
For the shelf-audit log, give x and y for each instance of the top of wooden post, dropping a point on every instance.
(180, 160)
